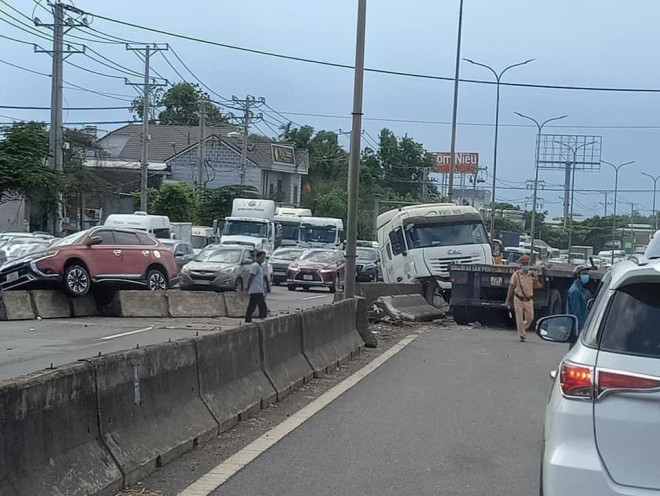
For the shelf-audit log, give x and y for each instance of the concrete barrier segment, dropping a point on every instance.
(50, 304)
(330, 337)
(232, 381)
(413, 308)
(284, 362)
(150, 408)
(236, 304)
(16, 305)
(196, 304)
(49, 436)
(136, 303)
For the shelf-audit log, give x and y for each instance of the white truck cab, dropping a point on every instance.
(158, 226)
(251, 223)
(420, 242)
(287, 224)
(321, 232)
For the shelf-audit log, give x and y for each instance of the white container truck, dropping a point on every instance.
(251, 223)
(321, 232)
(287, 224)
(182, 231)
(420, 242)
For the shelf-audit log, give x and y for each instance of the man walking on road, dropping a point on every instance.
(521, 296)
(577, 296)
(255, 285)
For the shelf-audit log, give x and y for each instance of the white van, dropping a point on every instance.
(420, 242)
(157, 225)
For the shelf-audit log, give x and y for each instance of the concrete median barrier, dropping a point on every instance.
(284, 362)
(371, 291)
(84, 307)
(236, 304)
(49, 438)
(139, 304)
(50, 304)
(196, 304)
(330, 337)
(16, 305)
(232, 381)
(150, 408)
(413, 308)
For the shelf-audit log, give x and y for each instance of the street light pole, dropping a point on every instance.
(655, 191)
(498, 79)
(457, 73)
(539, 126)
(616, 192)
(571, 177)
(354, 162)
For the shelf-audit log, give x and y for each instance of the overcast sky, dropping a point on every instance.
(603, 43)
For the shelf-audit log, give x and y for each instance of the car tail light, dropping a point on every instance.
(609, 381)
(576, 380)
(583, 382)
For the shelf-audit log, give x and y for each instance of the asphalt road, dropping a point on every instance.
(457, 412)
(28, 346)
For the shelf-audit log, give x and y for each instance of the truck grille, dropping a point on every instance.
(440, 266)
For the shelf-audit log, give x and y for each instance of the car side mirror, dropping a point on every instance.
(94, 240)
(558, 328)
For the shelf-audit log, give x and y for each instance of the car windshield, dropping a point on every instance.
(318, 234)
(455, 234)
(72, 239)
(319, 256)
(367, 254)
(287, 253)
(219, 255)
(245, 228)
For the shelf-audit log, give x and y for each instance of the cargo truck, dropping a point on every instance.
(251, 223)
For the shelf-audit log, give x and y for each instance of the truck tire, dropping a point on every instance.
(461, 315)
(555, 306)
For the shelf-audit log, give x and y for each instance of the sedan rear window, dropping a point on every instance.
(631, 326)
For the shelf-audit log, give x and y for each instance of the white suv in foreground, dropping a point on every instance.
(602, 425)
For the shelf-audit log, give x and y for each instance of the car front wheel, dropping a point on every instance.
(77, 281)
(156, 280)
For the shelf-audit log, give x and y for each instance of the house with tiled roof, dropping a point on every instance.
(274, 169)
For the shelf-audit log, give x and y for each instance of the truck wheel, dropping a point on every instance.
(555, 306)
(461, 315)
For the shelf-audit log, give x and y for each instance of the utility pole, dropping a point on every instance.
(58, 52)
(567, 192)
(247, 105)
(376, 213)
(616, 168)
(606, 194)
(457, 74)
(655, 193)
(201, 157)
(539, 127)
(354, 161)
(146, 93)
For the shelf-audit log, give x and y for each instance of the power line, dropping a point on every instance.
(378, 71)
(196, 78)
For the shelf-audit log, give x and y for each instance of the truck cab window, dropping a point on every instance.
(396, 238)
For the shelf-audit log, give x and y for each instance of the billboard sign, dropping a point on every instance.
(282, 154)
(466, 162)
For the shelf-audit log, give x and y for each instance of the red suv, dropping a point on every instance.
(98, 255)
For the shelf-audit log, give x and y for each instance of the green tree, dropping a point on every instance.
(175, 200)
(181, 106)
(23, 163)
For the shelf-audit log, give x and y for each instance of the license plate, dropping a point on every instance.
(308, 277)
(12, 276)
(496, 281)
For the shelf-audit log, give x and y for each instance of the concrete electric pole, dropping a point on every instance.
(201, 157)
(58, 52)
(146, 93)
(247, 105)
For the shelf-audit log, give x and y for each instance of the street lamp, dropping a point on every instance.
(536, 166)
(616, 191)
(498, 79)
(655, 191)
(571, 176)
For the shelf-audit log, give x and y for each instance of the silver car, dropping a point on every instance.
(219, 268)
(602, 426)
